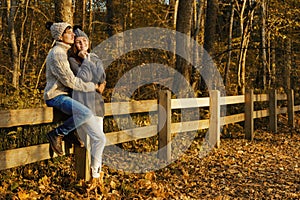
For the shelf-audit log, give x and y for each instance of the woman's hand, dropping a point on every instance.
(83, 54)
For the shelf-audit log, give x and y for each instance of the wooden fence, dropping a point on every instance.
(21, 156)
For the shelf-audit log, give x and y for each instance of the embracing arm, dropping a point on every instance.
(74, 64)
(60, 68)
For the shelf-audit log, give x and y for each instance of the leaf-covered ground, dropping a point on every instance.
(266, 168)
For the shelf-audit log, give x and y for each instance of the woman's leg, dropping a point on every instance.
(94, 128)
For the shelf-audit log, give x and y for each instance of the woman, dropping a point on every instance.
(60, 79)
(88, 67)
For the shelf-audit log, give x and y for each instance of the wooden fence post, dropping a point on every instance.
(273, 110)
(164, 125)
(214, 120)
(290, 100)
(249, 120)
(83, 160)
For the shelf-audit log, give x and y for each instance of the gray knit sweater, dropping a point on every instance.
(59, 76)
(91, 69)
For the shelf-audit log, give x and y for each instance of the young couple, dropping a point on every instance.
(69, 65)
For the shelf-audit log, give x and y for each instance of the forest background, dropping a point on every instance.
(254, 44)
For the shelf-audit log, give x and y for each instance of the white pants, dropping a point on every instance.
(94, 139)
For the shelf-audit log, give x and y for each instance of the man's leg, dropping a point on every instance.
(79, 115)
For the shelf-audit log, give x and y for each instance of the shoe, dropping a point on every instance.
(95, 182)
(55, 142)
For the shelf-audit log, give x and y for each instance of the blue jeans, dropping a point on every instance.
(79, 113)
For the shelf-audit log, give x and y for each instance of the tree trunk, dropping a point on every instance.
(198, 35)
(210, 38)
(273, 65)
(80, 13)
(266, 71)
(232, 7)
(246, 19)
(115, 25)
(91, 16)
(1, 21)
(176, 2)
(11, 11)
(210, 26)
(183, 25)
(111, 17)
(63, 11)
(287, 85)
(241, 81)
(22, 58)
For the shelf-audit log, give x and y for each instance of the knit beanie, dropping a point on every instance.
(79, 33)
(57, 29)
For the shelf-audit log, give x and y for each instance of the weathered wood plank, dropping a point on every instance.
(10, 118)
(260, 97)
(232, 100)
(189, 126)
(189, 103)
(266, 113)
(26, 155)
(260, 114)
(297, 108)
(43, 115)
(281, 97)
(232, 119)
(120, 108)
(131, 134)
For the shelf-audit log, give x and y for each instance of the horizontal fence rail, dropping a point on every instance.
(45, 115)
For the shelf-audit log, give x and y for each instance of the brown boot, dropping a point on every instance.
(73, 138)
(55, 141)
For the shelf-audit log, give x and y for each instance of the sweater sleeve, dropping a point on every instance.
(62, 71)
(98, 69)
(85, 71)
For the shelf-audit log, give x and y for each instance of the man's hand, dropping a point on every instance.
(100, 87)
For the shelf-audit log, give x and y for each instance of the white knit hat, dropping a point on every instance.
(57, 29)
